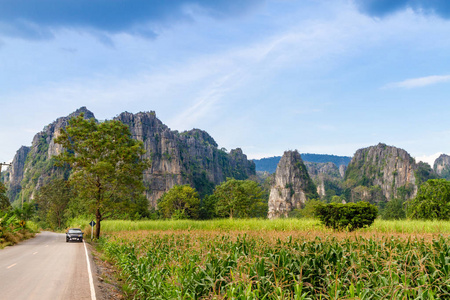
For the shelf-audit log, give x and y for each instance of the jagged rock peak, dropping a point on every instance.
(442, 166)
(82, 110)
(190, 157)
(386, 167)
(292, 187)
(201, 135)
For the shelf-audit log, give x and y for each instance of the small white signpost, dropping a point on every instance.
(92, 228)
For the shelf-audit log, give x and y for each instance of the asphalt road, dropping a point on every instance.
(45, 267)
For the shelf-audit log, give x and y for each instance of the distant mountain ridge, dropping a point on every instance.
(269, 164)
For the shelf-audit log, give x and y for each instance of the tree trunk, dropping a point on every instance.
(98, 218)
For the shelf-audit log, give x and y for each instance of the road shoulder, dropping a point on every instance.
(106, 285)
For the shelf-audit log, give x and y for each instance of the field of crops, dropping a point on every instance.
(281, 264)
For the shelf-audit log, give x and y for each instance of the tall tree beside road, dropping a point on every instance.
(107, 164)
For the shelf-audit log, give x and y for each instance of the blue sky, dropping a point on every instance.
(320, 76)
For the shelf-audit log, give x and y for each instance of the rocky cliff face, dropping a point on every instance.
(327, 178)
(14, 174)
(342, 170)
(34, 165)
(381, 173)
(442, 166)
(190, 157)
(292, 187)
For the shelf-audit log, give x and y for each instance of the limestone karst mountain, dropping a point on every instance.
(178, 158)
(190, 157)
(442, 166)
(33, 166)
(293, 186)
(380, 173)
(327, 178)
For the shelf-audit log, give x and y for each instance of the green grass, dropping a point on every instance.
(379, 226)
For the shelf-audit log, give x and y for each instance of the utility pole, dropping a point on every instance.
(3, 164)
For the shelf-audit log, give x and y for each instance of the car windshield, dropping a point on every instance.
(74, 230)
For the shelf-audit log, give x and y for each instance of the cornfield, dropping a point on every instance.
(207, 264)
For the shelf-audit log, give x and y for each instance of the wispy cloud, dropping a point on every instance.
(429, 159)
(383, 8)
(419, 82)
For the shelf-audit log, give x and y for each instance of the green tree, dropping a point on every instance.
(423, 173)
(180, 202)
(53, 200)
(336, 199)
(107, 165)
(308, 210)
(394, 210)
(26, 212)
(4, 201)
(239, 198)
(350, 216)
(208, 207)
(432, 201)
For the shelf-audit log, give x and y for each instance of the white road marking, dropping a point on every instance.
(91, 281)
(34, 253)
(11, 266)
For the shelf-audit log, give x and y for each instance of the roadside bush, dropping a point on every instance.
(350, 216)
(12, 230)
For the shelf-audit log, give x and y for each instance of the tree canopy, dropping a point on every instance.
(180, 202)
(53, 200)
(432, 201)
(239, 198)
(394, 210)
(107, 164)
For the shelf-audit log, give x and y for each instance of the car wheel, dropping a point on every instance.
(67, 240)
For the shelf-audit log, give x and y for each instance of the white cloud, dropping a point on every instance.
(428, 158)
(419, 82)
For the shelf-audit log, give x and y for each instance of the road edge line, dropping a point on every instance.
(91, 280)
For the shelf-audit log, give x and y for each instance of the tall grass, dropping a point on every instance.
(379, 226)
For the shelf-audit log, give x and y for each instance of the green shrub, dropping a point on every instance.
(349, 216)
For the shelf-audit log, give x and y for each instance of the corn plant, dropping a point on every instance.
(195, 265)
